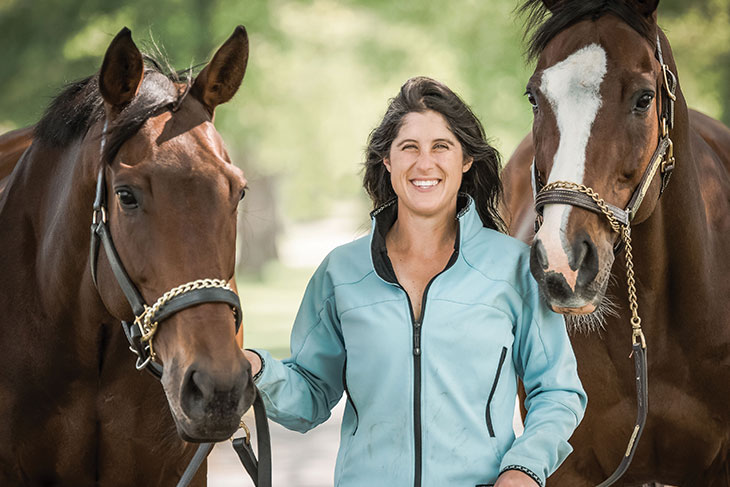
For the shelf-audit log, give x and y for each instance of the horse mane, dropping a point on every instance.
(80, 105)
(540, 27)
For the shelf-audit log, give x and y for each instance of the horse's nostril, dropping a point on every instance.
(202, 382)
(585, 260)
(197, 390)
(540, 254)
(204, 393)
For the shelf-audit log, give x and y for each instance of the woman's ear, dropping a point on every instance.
(386, 163)
(467, 164)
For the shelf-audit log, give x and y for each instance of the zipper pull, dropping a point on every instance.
(416, 338)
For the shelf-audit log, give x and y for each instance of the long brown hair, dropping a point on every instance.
(419, 94)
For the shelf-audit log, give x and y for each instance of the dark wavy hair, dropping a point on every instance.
(420, 94)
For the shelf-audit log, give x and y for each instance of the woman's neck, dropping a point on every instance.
(422, 235)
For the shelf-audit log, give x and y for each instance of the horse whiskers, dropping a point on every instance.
(594, 322)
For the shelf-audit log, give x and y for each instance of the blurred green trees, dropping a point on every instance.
(321, 71)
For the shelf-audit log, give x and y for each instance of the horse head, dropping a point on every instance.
(172, 202)
(596, 94)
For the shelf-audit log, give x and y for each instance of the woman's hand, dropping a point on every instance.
(515, 478)
(255, 361)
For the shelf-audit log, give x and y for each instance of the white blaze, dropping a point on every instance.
(573, 89)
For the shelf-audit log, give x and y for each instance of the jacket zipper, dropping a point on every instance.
(417, 326)
(490, 427)
(349, 398)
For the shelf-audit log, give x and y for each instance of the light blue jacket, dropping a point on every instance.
(429, 404)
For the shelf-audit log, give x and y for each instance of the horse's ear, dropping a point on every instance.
(122, 70)
(220, 79)
(645, 7)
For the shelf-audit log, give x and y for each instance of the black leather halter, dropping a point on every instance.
(140, 340)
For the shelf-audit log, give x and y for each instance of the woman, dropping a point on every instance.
(427, 322)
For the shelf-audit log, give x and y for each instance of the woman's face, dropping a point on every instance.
(426, 164)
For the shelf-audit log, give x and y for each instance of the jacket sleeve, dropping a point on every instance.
(555, 399)
(300, 391)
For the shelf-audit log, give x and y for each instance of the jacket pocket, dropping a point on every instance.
(349, 397)
(488, 413)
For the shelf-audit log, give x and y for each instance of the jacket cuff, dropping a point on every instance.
(526, 471)
(263, 364)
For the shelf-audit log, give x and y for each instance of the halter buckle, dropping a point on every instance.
(141, 365)
(668, 162)
(242, 425)
(665, 70)
(95, 216)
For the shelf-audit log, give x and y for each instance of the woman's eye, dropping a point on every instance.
(409, 147)
(644, 102)
(441, 146)
(126, 199)
(243, 194)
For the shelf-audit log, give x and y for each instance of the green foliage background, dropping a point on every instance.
(321, 71)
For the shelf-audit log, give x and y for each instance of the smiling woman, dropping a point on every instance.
(427, 322)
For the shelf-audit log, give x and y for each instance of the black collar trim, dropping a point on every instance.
(385, 216)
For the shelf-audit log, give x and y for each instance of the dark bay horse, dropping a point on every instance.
(599, 95)
(75, 411)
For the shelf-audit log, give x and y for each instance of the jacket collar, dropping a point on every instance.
(385, 216)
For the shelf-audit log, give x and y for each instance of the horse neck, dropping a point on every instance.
(52, 193)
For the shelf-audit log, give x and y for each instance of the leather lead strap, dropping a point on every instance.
(642, 408)
(200, 455)
(259, 471)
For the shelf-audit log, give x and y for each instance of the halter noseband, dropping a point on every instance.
(141, 332)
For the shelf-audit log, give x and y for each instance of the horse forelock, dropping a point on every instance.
(541, 26)
(80, 105)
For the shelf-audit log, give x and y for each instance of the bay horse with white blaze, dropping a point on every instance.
(603, 115)
(139, 145)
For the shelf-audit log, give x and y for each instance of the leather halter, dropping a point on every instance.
(662, 160)
(174, 301)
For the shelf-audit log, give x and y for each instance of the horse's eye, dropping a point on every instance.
(533, 101)
(126, 199)
(644, 102)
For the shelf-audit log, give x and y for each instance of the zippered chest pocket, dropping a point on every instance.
(497, 374)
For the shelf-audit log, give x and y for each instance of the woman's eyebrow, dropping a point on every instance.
(448, 141)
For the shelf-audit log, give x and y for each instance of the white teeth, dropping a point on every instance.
(426, 184)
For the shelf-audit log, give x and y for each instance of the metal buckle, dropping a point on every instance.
(668, 162)
(665, 70)
(245, 429)
(94, 216)
(144, 364)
